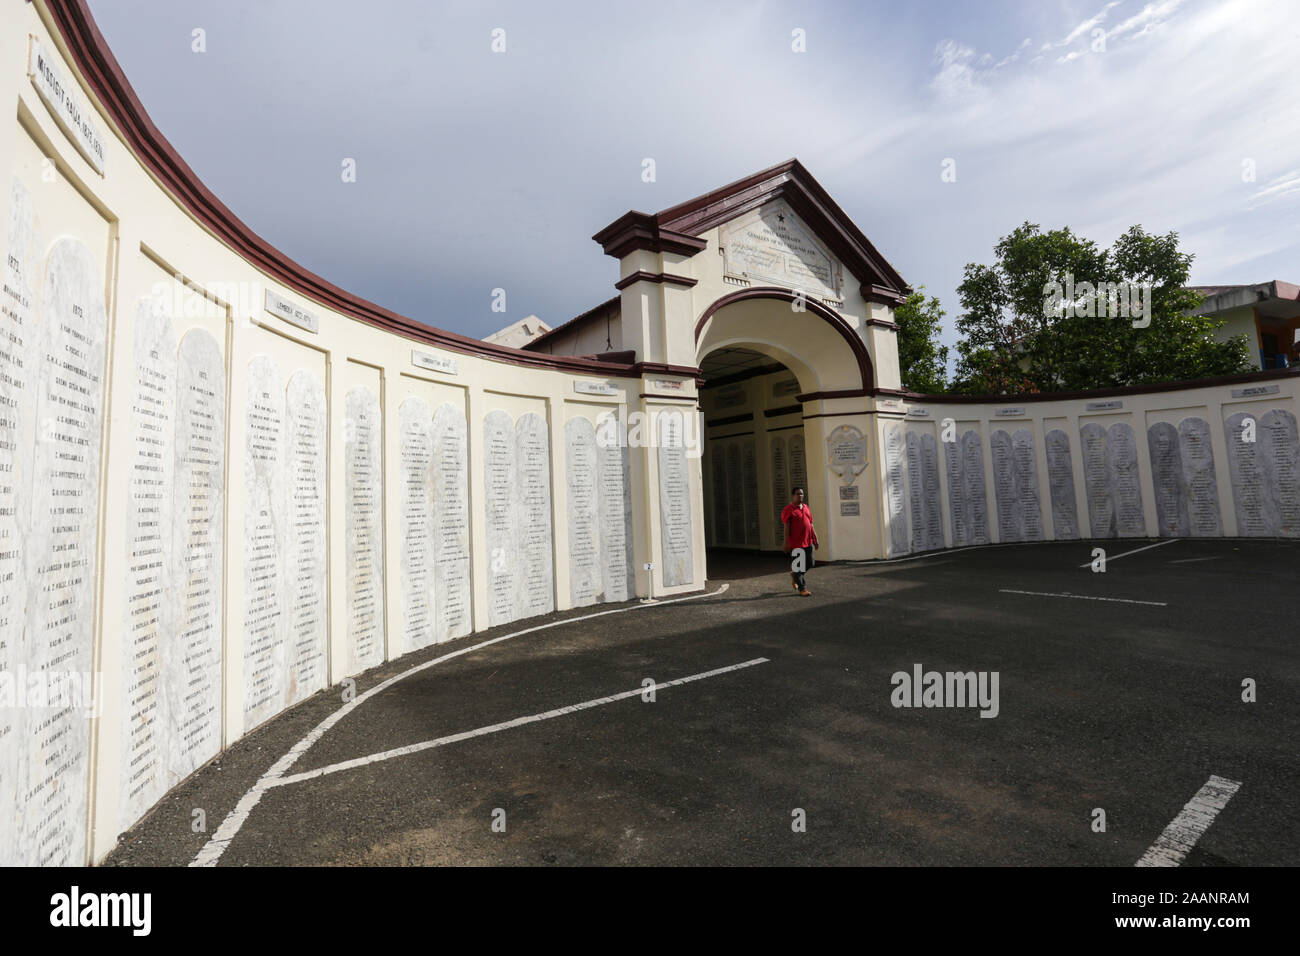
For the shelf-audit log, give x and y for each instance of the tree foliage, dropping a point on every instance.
(1012, 340)
(922, 361)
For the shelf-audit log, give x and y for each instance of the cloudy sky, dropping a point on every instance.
(477, 170)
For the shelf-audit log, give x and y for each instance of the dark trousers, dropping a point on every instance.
(794, 564)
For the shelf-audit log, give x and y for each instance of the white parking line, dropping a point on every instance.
(506, 725)
(1082, 597)
(212, 850)
(1116, 557)
(1179, 837)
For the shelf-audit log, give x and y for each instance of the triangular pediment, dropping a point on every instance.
(773, 245)
(825, 231)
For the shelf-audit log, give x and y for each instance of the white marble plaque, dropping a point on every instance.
(895, 495)
(583, 498)
(1015, 485)
(148, 622)
(501, 487)
(1111, 478)
(291, 312)
(799, 468)
(780, 486)
(415, 441)
(1265, 479)
(60, 546)
(453, 586)
(193, 656)
(266, 533)
(64, 100)
(1199, 481)
(533, 516)
(435, 363)
(21, 270)
(923, 487)
(615, 492)
(1060, 482)
(846, 452)
(305, 544)
(735, 494)
(364, 498)
(1121, 447)
(916, 492)
(932, 492)
(967, 503)
(771, 244)
(675, 533)
(1167, 479)
(749, 471)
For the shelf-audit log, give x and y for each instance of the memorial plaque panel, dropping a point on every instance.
(21, 271)
(583, 509)
(1265, 491)
(453, 584)
(501, 480)
(305, 562)
(1004, 490)
(415, 430)
(148, 619)
(1172, 520)
(749, 467)
(1121, 460)
(931, 492)
(192, 657)
(363, 506)
(1060, 480)
(735, 495)
(721, 507)
(1281, 450)
(265, 540)
(1097, 482)
(1025, 476)
(977, 516)
(533, 517)
(615, 529)
(799, 468)
(780, 487)
(1202, 487)
(958, 506)
(916, 492)
(678, 542)
(895, 496)
(67, 364)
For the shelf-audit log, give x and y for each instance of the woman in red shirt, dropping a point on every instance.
(800, 539)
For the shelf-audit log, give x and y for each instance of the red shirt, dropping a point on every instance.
(799, 526)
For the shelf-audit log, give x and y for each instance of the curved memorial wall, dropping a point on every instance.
(1206, 459)
(226, 484)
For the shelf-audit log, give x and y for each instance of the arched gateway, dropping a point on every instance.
(781, 311)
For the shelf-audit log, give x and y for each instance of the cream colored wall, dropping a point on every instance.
(143, 238)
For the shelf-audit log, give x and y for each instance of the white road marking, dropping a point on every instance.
(1083, 597)
(216, 845)
(1190, 825)
(505, 725)
(1116, 557)
(1213, 557)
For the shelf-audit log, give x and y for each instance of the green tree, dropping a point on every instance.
(1013, 340)
(922, 361)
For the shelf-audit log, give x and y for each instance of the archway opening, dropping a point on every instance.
(754, 454)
